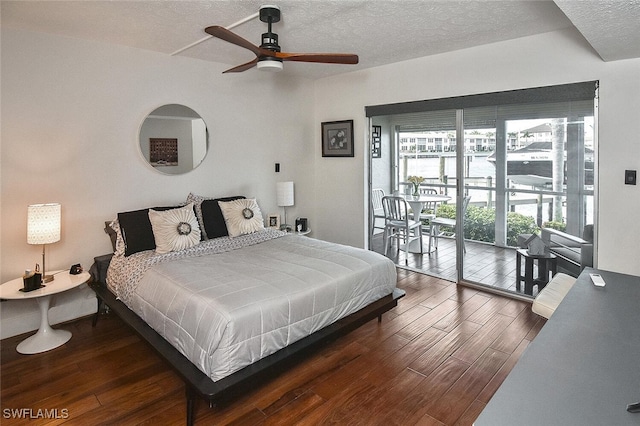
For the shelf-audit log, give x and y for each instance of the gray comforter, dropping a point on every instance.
(225, 308)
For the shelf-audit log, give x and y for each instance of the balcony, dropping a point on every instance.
(483, 263)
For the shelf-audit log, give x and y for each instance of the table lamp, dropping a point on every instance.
(43, 227)
(284, 196)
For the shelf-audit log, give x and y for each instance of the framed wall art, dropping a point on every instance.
(337, 138)
(376, 142)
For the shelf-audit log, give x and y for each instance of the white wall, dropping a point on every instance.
(71, 112)
(542, 60)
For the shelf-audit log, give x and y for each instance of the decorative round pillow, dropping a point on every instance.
(175, 229)
(241, 216)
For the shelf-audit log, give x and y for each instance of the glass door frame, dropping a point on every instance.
(460, 193)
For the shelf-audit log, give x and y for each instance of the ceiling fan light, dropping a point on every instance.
(271, 65)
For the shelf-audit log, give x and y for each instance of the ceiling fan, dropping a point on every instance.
(268, 54)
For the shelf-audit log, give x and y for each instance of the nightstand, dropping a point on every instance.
(46, 338)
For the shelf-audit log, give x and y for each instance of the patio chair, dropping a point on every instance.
(437, 222)
(377, 212)
(398, 225)
(429, 206)
(574, 253)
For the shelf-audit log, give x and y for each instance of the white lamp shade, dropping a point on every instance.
(284, 194)
(43, 223)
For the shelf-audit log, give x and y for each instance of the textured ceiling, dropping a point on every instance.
(612, 27)
(379, 31)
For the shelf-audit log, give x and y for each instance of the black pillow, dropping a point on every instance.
(214, 224)
(136, 229)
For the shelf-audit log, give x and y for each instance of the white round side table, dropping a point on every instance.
(46, 338)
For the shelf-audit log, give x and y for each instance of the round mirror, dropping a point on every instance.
(174, 139)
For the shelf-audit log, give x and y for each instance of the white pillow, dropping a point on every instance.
(175, 229)
(241, 216)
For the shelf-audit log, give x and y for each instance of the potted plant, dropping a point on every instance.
(416, 181)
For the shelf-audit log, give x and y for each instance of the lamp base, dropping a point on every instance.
(47, 278)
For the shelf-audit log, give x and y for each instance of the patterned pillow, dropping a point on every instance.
(175, 229)
(197, 202)
(242, 216)
(113, 230)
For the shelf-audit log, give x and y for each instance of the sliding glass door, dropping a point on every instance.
(508, 164)
(538, 173)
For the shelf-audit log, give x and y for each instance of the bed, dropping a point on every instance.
(230, 302)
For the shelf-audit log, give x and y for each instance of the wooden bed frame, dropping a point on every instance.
(199, 385)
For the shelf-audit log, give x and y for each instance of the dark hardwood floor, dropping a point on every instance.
(436, 359)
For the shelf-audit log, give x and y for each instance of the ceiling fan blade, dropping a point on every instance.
(226, 35)
(327, 58)
(242, 67)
